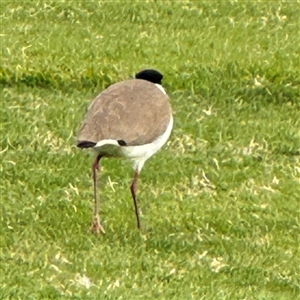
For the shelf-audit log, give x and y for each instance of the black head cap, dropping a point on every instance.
(150, 75)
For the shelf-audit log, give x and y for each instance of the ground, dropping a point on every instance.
(220, 202)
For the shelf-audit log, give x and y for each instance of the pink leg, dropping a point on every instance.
(133, 188)
(96, 226)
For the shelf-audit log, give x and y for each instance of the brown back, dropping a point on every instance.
(135, 111)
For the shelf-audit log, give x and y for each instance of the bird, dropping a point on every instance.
(132, 118)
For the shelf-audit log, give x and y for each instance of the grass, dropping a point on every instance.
(220, 203)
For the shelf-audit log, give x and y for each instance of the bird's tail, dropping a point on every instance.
(85, 144)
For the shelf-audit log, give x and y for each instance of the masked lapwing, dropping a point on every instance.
(131, 119)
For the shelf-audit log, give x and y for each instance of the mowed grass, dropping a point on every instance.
(220, 202)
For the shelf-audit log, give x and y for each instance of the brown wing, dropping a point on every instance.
(134, 111)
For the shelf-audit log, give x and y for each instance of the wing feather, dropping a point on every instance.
(135, 111)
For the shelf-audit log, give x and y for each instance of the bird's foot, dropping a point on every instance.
(96, 226)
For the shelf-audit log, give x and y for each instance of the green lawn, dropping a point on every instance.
(220, 203)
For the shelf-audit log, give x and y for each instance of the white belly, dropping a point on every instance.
(137, 154)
